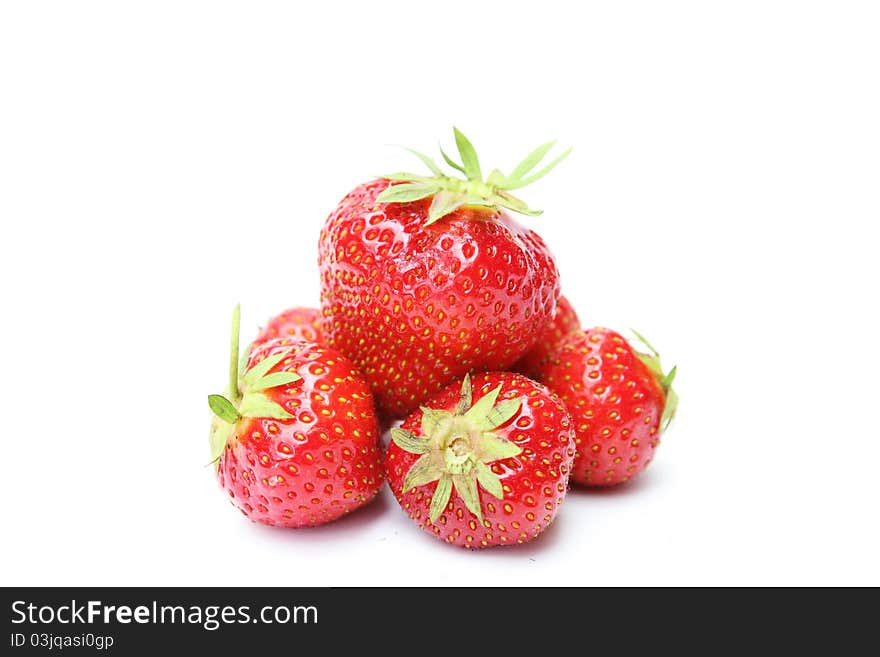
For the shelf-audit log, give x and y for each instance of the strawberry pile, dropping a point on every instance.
(440, 310)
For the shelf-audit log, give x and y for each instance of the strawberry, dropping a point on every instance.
(294, 323)
(295, 440)
(483, 463)
(619, 399)
(565, 321)
(426, 278)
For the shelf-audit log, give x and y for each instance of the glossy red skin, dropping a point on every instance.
(417, 306)
(294, 323)
(535, 482)
(564, 322)
(317, 467)
(615, 403)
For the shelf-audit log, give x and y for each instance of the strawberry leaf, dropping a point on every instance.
(531, 160)
(472, 199)
(669, 378)
(496, 178)
(466, 486)
(645, 342)
(441, 497)
(481, 409)
(422, 472)
(260, 370)
(408, 441)
(275, 379)
(669, 409)
(437, 171)
(468, 156)
(495, 448)
(444, 203)
(500, 414)
(256, 404)
(455, 447)
(467, 394)
(431, 418)
(652, 362)
(451, 192)
(451, 162)
(403, 176)
(218, 438)
(407, 192)
(522, 182)
(489, 480)
(511, 202)
(223, 408)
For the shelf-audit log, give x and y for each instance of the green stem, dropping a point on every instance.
(234, 394)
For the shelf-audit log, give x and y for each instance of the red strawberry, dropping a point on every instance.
(565, 321)
(294, 323)
(619, 399)
(426, 278)
(477, 473)
(296, 439)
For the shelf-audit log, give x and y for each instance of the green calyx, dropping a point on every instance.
(456, 448)
(665, 379)
(450, 192)
(244, 396)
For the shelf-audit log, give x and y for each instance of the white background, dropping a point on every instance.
(161, 161)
